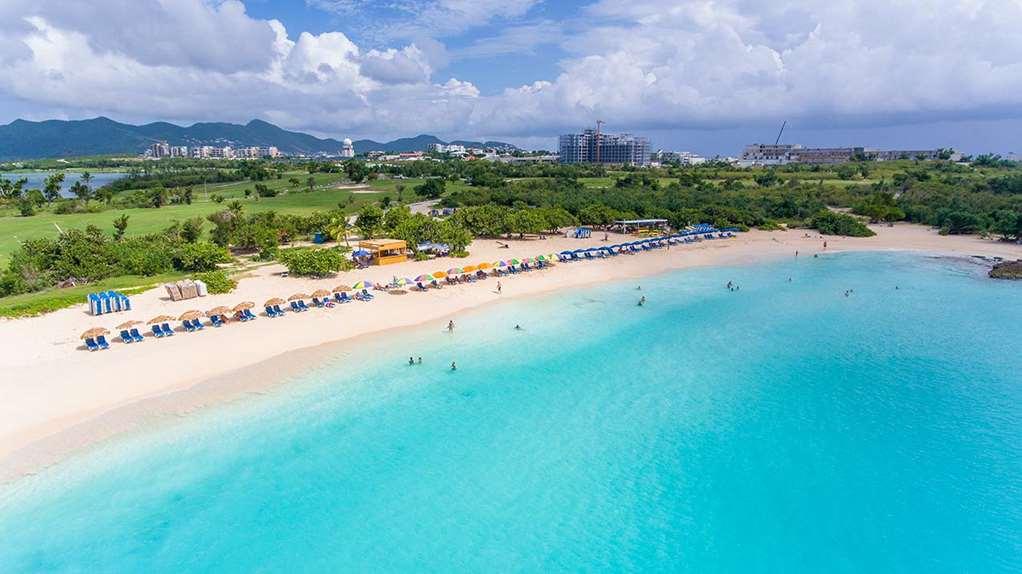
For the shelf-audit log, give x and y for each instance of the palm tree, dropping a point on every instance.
(339, 227)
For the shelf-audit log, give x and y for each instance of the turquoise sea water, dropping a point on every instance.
(780, 428)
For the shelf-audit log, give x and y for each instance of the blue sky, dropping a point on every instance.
(702, 75)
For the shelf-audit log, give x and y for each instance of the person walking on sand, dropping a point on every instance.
(500, 288)
(824, 244)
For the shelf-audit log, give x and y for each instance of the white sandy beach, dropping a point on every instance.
(58, 398)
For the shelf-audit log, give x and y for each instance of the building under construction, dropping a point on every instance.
(592, 146)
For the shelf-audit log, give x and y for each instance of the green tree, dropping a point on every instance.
(369, 219)
(51, 188)
(191, 229)
(120, 226)
(431, 188)
(312, 262)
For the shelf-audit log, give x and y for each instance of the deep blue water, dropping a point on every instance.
(37, 179)
(780, 428)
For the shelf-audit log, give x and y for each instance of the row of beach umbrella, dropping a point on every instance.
(225, 311)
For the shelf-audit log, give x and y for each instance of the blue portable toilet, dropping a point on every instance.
(126, 302)
(93, 302)
(104, 300)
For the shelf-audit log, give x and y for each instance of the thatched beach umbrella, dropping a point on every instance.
(244, 305)
(320, 293)
(190, 315)
(129, 324)
(95, 332)
(342, 288)
(160, 319)
(298, 297)
(273, 302)
(220, 311)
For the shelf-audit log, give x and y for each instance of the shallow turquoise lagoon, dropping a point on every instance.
(783, 427)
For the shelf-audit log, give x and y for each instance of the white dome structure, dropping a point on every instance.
(347, 148)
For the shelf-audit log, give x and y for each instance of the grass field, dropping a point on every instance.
(300, 201)
(29, 304)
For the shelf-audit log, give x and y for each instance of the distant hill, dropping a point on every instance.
(22, 139)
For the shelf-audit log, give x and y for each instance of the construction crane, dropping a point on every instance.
(778, 140)
(599, 124)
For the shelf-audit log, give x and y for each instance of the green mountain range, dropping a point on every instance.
(22, 139)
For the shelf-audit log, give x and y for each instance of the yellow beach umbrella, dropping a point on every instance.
(440, 274)
(469, 269)
(485, 265)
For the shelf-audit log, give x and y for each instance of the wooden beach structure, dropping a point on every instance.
(385, 251)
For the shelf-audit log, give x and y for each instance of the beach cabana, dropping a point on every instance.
(385, 251)
(95, 339)
(129, 332)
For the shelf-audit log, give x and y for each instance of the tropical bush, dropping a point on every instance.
(833, 223)
(313, 262)
(217, 282)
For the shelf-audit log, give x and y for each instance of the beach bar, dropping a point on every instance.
(385, 251)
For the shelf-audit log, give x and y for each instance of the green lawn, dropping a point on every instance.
(298, 201)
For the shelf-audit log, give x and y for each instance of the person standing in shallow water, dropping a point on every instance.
(450, 326)
(453, 366)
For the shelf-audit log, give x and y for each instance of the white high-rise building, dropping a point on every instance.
(347, 149)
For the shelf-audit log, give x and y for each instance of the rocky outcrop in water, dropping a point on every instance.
(1007, 270)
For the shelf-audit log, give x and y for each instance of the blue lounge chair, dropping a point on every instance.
(302, 305)
(91, 345)
(294, 306)
(157, 331)
(137, 336)
(216, 321)
(278, 310)
(367, 295)
(317, 302)
(188, 326)
(167, 330)
(270, 312)
(197, 325)
(337, 297)
(101, 341)
(248, 313)
(420, 286)
(126, 337)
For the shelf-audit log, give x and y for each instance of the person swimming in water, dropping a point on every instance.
(411, 361)
(518, 327)
(642, 301)
(450, 326)
(420, 361)
(453, 366)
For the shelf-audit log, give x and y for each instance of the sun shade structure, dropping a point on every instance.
(320, 293)
(455, 271)
(217, 311)
(160, 319)
(243, 305)
(298, 297)
(342, 288)
(190, 315)
(129, 324)
(274, 301)
(439, 274)
(385, 251)
(484, 265)
(469, 268)
(94, 332)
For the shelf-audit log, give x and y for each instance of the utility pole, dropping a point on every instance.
(778, 140)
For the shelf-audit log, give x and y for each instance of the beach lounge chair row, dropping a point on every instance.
(97, 344)
(164, 330)
(131, 336)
